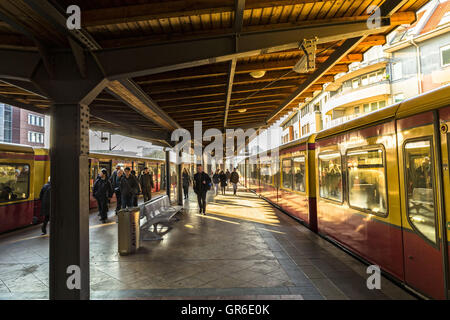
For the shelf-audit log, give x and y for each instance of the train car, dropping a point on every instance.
(97, 161)
(398, 223)
(382, 185)
(23, 172)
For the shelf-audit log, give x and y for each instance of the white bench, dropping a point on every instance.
(154, 212)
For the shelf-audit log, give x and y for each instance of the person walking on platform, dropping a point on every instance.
(103, 192)
(216, 181)
(228, 174)
(223, 181)
(129, 187)
(186, 183)
(113, 177)
(146, 180)
(135, 196)
(202, 183)
(45, 196)
(116, 188)
(234, 179)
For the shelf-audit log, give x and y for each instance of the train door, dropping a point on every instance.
(421, 194)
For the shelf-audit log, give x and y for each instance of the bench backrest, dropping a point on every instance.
(152, 208)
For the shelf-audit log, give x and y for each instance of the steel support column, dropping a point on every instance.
(168, 173)
(180, 184)
(69, 221)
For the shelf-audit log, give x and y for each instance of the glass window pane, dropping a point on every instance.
(382, 104)
(287, 173)
(366, 107)
(446, 56)
(365, 80)
(374, 106)
(419, 188)
(367, 181)
(14, 181)
(299, 174)
(330, 176)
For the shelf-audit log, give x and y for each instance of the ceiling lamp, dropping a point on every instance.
(258, 74)
(242, 110)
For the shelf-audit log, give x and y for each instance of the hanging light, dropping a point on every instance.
(258, 74)
(242, 110)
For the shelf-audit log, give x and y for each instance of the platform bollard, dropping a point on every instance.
(128, 231)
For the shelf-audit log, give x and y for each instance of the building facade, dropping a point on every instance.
(414, 60)
(22, 127)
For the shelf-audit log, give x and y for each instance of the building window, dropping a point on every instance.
(7, 132)
(366, 108)
(445, 56)
(35, 137)
(15, 180)
(397, 71)
(365, 80)
(374, 106)
(330, 177)
(356, 110)
(381, 104)
(367, 180)
(355, 83)
(399, 97)
(35, 120)
(305, 129)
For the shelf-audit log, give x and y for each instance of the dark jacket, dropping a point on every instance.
(146, 180)
(223, 180)
(234, 177)
(228, 175)
(199, 186)
(186, 179)
(129, 185)
(216, 178)
(45, 200)
(112, 179)
(115, 183)
(102, 189)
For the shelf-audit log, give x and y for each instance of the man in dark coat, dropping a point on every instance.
(129, 187)
(103, 192)
(202, 183)
(234, 179)
(146, 181)
(135, 195)
(45, 198)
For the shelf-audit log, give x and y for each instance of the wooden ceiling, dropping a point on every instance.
(213, 93)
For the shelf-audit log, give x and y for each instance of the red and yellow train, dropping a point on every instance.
(24, 170)
(379, 186)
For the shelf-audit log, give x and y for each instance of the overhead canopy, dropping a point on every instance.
(169, 63)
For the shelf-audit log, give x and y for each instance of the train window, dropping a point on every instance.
(419, 187)
(299, 174)
(265, 173)
(367, 180)
(14, 181)
(330, 176)
(287, 173)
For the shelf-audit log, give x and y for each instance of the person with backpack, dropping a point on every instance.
(223, 181)
(45, 197)
(129, 188)
(234, 179)
(216, 181)
(103, 192)
(202, 183)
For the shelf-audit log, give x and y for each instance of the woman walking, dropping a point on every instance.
(216, 181)
(223, 181)
(186, 183)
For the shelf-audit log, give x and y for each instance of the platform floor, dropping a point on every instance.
(242, 249)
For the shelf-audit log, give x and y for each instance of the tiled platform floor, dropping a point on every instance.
(242, 249)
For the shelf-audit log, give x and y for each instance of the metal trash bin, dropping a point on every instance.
(128, 230)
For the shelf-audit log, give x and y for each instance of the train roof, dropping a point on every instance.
(6, 146)
(425, 102)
